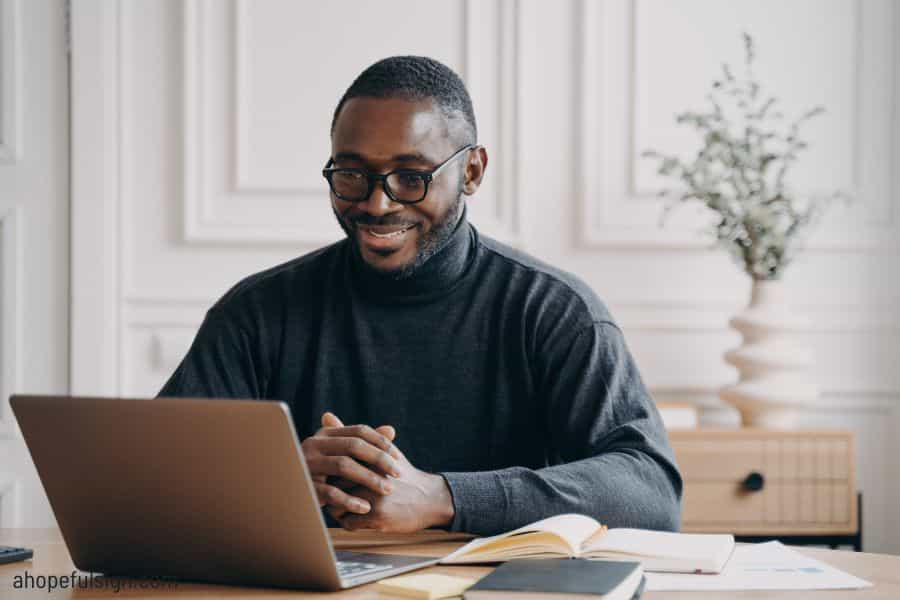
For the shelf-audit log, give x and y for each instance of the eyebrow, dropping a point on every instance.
(414, 157)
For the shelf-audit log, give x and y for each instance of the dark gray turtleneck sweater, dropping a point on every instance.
(505, 375)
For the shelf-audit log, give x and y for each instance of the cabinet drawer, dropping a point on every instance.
(722, 460)
(774, 459)
(713, 502)
(767, 482)
(794, 507)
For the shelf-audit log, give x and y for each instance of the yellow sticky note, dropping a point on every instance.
(426, 586)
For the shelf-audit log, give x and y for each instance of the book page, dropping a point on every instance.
(524, 545)
(642, 542)
(570, 529)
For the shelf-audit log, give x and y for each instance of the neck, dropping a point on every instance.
(437, 274)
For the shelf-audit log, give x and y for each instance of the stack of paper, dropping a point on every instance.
(768, 566)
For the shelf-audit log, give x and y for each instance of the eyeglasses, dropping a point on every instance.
(406, 186)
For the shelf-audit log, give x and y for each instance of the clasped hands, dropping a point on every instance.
(367, 483)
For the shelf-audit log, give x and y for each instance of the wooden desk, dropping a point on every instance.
(52, 558)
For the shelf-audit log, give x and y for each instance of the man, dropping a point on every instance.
(505, 381)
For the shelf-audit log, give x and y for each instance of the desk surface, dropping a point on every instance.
(52, 558)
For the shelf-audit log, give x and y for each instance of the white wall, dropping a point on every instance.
(34, 235)
(208, 126)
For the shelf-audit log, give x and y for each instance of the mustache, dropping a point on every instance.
(389, 220)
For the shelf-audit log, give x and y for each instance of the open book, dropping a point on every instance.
(579, 536)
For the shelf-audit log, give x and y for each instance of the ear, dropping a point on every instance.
(476, 164)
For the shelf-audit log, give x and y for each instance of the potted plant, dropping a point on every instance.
(740, 173)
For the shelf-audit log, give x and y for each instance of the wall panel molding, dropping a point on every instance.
(247, 209)
(639, 187)
(97, 197)
(504, 219)
(831, 401)
(156, 335)
(12, 348)
(10, 81)
(713, 318)
(245, 181)
(618, 211)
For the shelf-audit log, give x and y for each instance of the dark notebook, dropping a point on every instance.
(557, 578)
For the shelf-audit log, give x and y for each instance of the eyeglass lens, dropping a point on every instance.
(354, 185)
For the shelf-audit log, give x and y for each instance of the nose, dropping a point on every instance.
(379, 203)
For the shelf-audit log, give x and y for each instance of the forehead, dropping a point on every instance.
(378, 128)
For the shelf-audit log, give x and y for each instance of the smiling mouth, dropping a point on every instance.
(385, 233)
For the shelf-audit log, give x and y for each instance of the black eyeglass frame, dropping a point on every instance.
(372, 178)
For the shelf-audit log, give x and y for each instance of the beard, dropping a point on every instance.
(427, 245)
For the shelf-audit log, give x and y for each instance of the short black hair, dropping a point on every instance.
(415, 78)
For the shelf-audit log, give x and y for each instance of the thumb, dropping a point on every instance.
(329, 419)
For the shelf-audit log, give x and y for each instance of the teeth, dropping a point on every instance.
(393, 234)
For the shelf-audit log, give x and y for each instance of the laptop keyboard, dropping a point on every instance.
(11, 554)
(348, 568)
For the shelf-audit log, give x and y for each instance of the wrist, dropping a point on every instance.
(441, 501)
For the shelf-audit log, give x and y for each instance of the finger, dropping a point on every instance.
(390, 433)
(336, 513)
(332, 496)
(343, 466)
(362, 493)
(340, 482)
(367, 434)
(364, 463)
(387, 431)
(329, 419)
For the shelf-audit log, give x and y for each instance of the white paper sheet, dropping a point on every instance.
(768, 566)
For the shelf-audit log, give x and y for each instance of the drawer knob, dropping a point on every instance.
(754, 482)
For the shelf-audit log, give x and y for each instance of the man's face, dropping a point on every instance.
(381, 135)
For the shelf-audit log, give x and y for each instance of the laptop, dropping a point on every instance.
(193, 489)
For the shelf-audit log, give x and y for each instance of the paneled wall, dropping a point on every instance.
(33, 235)
(11, 338)
(213, 127)
(10, 332)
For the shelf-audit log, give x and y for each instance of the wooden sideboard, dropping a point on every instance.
(758, 483)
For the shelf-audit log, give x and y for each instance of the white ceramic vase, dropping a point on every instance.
(774, 381)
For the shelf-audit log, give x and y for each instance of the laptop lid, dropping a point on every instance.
(197, 489)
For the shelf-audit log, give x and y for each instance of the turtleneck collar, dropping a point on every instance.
(437, 276)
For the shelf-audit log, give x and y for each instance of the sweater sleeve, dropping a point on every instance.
(221, 363)
(608, 450)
